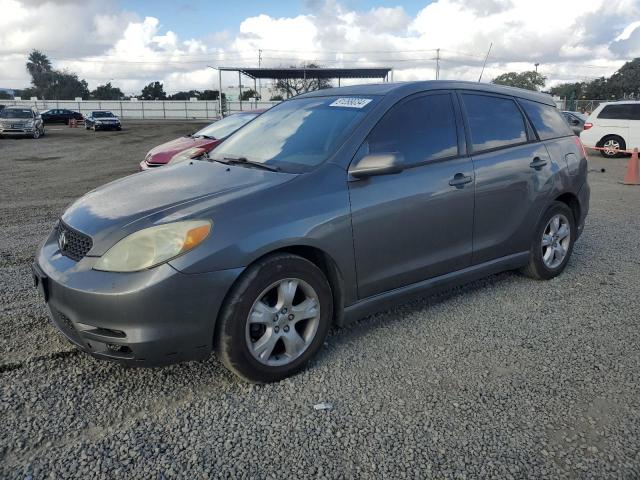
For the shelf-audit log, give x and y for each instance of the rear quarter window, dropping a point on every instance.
(547, 120)
(627, 111)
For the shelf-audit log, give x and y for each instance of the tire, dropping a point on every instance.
(261, 292)
(545, 264)
(613, 141)
(42, 134)
(36, 134)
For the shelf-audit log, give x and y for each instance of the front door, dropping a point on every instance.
(417, 224)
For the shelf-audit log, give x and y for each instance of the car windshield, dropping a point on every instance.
(102, 114)
(297, 135)
(226, 126)
(16, 113)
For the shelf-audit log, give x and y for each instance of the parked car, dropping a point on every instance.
(21, 121)
(60, 115)
(575, 120)
(197, 144)
(102, 120)
(327, 207)
(613, 126)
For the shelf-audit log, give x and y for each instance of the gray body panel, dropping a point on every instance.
(385, 238)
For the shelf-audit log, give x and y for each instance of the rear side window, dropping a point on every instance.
(422, 129)
(494, 122)
(547, 120)
(627, 111)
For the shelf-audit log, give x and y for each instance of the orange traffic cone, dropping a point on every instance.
(632, 177)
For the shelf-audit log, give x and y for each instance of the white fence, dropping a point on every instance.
(147, 109)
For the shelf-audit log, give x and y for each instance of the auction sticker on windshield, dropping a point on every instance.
(350, 102)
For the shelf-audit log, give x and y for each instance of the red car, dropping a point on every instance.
(199, 143)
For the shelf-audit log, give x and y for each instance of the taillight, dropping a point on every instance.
(588, 125)
(580, 145)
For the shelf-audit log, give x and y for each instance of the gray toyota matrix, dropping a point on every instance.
(326, 208)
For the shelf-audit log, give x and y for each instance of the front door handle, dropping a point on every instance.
(538, 163)
(460, 179)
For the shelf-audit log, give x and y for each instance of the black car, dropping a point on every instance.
(59, 115)
(102, 120)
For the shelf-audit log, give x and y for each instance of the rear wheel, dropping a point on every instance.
(275, 319)
(612, 144)
(552, 243)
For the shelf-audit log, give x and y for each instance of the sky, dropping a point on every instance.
(131, 43)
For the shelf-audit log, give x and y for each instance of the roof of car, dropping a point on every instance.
(255, 111)
(408, 88)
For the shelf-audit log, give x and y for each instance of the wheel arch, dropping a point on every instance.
(320, 259)
(600, 142)
(571, 200)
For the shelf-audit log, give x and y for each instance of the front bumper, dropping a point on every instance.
(18, 132)
(149, 318)
(107, 126)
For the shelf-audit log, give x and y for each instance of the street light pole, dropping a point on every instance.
(536, 65)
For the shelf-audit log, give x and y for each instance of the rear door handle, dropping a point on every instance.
(538, 163)
(460, 179)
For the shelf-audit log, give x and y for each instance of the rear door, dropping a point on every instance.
(634, 126)
(417, 224)
(513, 174)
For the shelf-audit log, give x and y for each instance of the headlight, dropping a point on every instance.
(187, 154)
(30, 123)
(153, 246)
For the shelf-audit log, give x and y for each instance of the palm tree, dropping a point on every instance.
(38, 64)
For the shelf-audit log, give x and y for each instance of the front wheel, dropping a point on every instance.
(275, 319)
(552, 243)
(36, 133)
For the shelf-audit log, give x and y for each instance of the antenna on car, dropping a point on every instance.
(485, 61)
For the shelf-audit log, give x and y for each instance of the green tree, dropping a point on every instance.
(107, 92)
(39, 67)
(295, 86)
(154, 91)
(5, 95)
(184, 95)
(530, 80)
(626, 81)
(209, 95)
(275, 98)
(248, 94)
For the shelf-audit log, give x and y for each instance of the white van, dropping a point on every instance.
(613, 126)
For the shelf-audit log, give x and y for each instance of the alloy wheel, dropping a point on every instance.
(283, 322)
(556, 240)
(611, 147)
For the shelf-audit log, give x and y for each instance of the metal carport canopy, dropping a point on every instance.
(288, 73)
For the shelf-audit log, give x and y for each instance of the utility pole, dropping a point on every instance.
(259, 81)
(437, 63)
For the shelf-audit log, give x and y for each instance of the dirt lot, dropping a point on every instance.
(505, 377)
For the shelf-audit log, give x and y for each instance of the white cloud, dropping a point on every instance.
(571, 39)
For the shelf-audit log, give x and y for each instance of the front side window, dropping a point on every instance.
(299, 134)
(546, 119)
(421, 129)
(494, 122)
(225, 127)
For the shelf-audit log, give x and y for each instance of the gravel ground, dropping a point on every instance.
(504, 377)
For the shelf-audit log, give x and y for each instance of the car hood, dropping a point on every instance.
(15, 119)
(171, 193)
(163, 153)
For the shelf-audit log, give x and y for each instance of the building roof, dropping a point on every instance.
(285, 73)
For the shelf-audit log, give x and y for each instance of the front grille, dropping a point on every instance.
(72, 243)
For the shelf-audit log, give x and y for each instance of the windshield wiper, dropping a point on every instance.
(247, 162)
(203, 136)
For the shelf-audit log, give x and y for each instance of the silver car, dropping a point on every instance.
(21, 121)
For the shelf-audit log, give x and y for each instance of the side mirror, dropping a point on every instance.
(378, 164)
